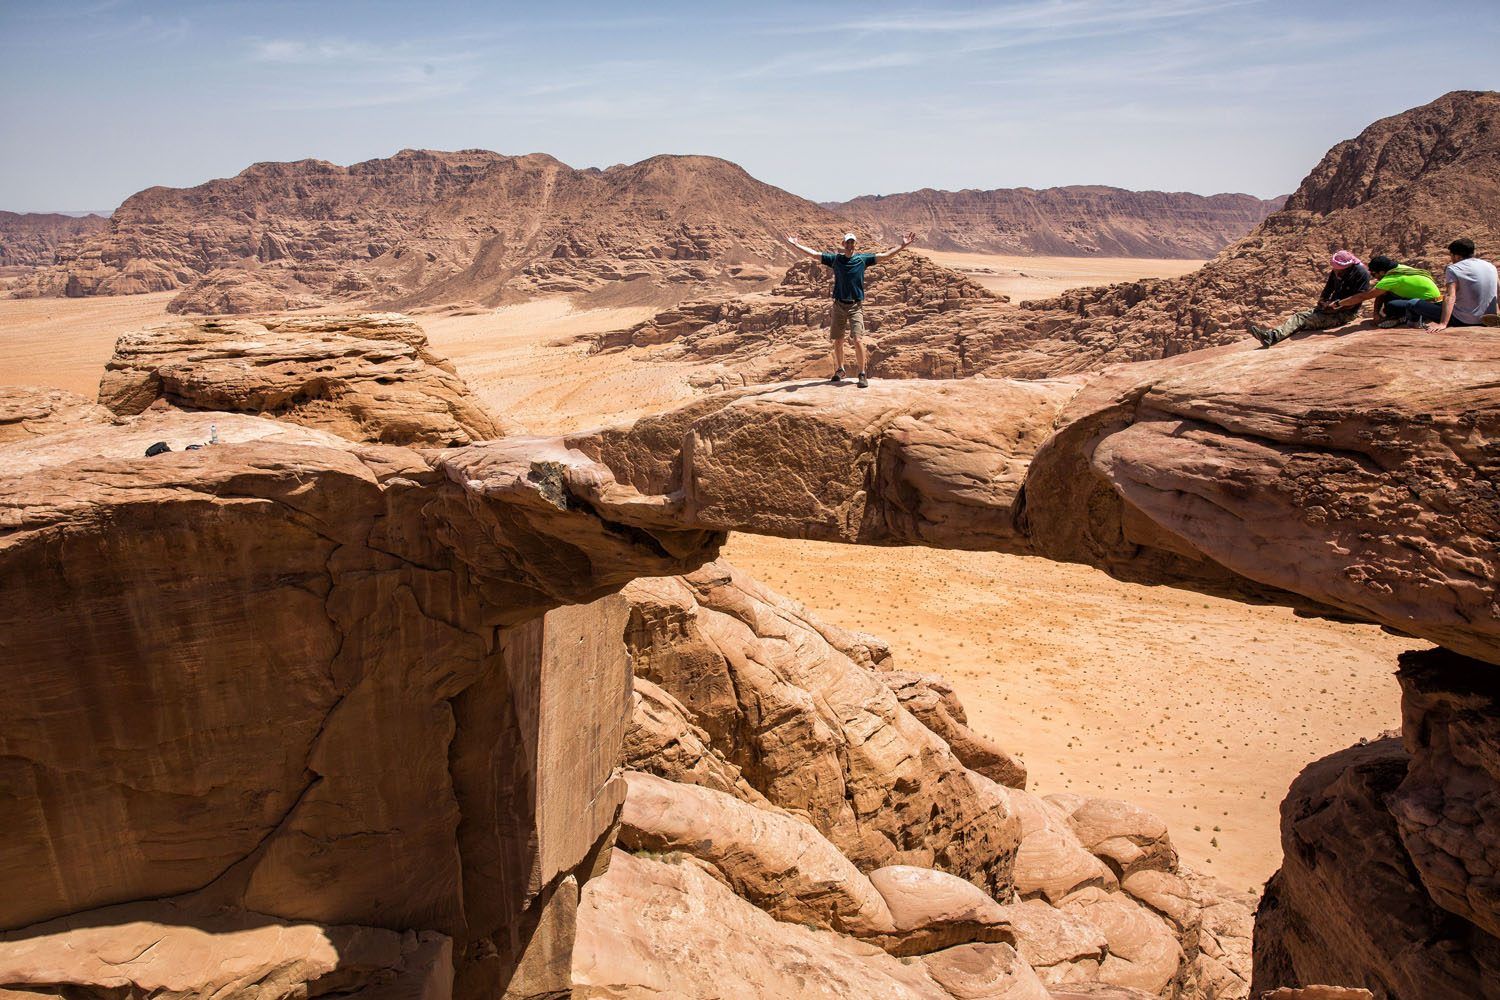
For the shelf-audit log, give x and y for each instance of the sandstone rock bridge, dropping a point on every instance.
(323, 679)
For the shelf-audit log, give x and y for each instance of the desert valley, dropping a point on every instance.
(519, 611)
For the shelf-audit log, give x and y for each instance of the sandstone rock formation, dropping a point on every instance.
(898, 463)
(923, 320)
(368, 377)
(309, 681)
(814, 733)
(1448, 806)
(653, 928)
(1082, 220)
(29, 239)
(931, 699)
(164, 949)
(29, 411)
(786, 769)
(1348, 474)
(1385, 883)
(431, 227)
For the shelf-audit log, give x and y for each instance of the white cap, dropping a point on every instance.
(848, 237)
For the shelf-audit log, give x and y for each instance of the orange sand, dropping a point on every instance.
(1025, 278)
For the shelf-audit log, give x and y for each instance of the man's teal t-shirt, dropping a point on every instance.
(848, 274)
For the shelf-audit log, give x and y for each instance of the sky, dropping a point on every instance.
(101, 98)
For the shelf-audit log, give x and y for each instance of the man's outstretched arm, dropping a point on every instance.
(809, 251)
(906, 241)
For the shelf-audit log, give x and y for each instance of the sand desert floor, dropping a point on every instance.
(1201, 709)
(1026, 278)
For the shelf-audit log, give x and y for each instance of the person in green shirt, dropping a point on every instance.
(848, 312)
(1396, 286)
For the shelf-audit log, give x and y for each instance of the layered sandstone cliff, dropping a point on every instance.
(1389, 877)
(1082, 220)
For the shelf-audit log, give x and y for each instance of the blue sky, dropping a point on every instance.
(100, 98)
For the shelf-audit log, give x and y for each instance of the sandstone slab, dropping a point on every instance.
(369, 377)
(30, 411)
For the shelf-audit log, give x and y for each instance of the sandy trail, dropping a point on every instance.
(1201, 709)
(1026, 278)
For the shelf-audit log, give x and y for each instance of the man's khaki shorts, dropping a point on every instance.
(846, 316)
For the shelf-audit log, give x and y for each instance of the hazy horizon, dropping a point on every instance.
(108, 97)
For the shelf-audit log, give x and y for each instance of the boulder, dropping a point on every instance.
(1051, 861)
(650, 928)
(1126, 837)
(30, 411)
(770, 859)
(369, 377)
(932, 910)
(931, 699)
(1143, 953)
(160, 948)
(1061, 946)
(984, 972)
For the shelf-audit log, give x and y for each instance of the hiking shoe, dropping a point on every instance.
(1261, 334)
(863, 382)
(1390, 324)
(838, 377)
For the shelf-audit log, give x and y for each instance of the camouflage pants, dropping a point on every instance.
(1310, 319)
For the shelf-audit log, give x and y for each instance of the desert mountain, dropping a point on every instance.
(1072, 221)
(1406, 186)
(426, 226)
(28, 239)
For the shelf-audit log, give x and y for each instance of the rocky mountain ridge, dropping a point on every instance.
(1074, 221)
(424, 226)
(30, 239)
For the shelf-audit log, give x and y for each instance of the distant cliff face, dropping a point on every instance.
(28, 239)
(1063, 221)
(425, 226)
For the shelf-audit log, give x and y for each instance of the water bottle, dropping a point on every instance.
(213, 433)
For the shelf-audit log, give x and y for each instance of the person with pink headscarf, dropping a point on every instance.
(1348, 277)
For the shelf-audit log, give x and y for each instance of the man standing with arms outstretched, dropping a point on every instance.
(848, 314)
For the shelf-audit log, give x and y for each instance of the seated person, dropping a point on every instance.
(1468, 292)
(1346, 277)
(1396, 287)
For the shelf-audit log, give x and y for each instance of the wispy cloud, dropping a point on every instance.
(1053, 16)
(824, 63)
(328, 51)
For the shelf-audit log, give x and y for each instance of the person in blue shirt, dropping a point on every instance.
(848, 313)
